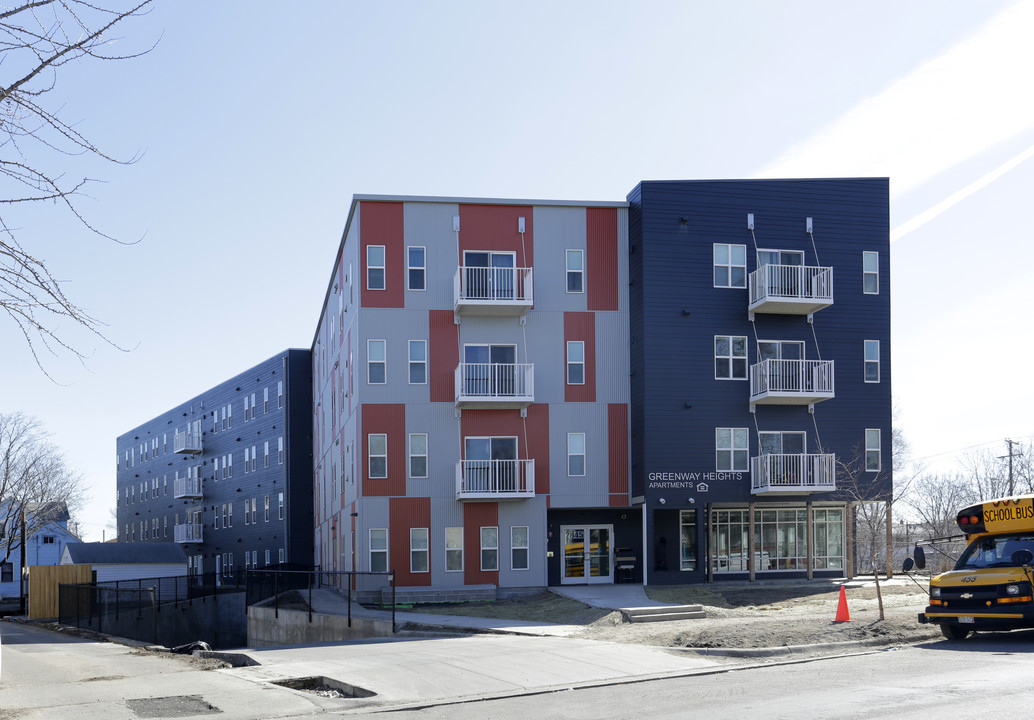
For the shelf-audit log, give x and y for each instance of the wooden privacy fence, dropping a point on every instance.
(44, 581)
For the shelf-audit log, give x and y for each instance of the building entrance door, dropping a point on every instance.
(588, 554)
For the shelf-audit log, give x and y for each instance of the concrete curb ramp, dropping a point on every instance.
(663, 613)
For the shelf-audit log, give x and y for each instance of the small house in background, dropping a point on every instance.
(44, 544)
(128, 561)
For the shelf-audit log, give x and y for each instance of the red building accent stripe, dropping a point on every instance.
(403, 515)
(601, 263)
(381, 223)
(495, 227)
(443, 355)
(390, 420)
(581, 326)
(617, 453)
(475, 517)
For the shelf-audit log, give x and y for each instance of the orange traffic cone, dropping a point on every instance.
(842, 614)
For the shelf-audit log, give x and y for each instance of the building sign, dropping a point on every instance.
(689, 480)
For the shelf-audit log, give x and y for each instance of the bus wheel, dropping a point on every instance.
(954, 632)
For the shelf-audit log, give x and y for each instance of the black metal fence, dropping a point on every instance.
(271, 584)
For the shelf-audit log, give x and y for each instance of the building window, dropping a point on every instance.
(828, 524)
(280, 450)
(265, 457)
(254, 510)
(687, 540)
(229, 515)
(247, 407)
(280, 507)
(378, 455)
(280, 394)
(254, 458)
(575, 271)
(374, 267)
(378, 550)
(376, 362)
(417, 362)
(267, 557)
(283, 555)
(229, 415)
(265, 515)
(730, 357)
(780, 536)
(575, 362)
(418, 455)
(229, 465)
(165, 526)
(730, 265)
(453, 549)
(576, 454)
(7, 572)
(418, 550)
(49, 539)
(872, 450)
(871, 273)
(872, 361)
(265, 400)
(247, 515)
(490, 549)
(417, 268)
(731, 447)
(519, 547)
(247, 460)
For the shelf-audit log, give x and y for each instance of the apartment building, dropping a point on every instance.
(760, 372)
(226, 474)
(471, 396)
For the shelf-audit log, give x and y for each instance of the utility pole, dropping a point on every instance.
(1010, 443)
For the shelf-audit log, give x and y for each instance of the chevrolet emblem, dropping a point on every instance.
(966, 596)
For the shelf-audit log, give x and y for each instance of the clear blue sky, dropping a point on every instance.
(257, 122)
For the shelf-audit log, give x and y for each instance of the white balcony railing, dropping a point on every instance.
(492, 290)
(790, 289)
(792, 474)
(189, 533)
(495, 385)
(495, 479)
(791, 382)
(188, 487)
(188, 442)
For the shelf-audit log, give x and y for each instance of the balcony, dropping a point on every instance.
(189, 442)
(495, 291)
(792, 474)
(495, 480)
(790, 289)
(791, 382)
(189, 533)
(188, 487)
(495, 385)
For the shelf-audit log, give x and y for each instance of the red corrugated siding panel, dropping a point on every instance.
(475, 517)
(404, 514)
(601, 240)
(443, 355)
(381, 223)
(494, 227)
(390, 419)
(538, 443)
(617, 453)
(581, 326)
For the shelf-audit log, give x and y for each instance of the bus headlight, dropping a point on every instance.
(935, 592)
(1012, 589)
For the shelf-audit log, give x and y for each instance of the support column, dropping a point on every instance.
(890, 544)
(707, 542)
(849, 549)
(751, 547)
(810, 533)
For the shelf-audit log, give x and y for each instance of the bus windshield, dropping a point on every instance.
(995, 551)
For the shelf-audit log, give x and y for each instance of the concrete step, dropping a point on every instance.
(664, 613)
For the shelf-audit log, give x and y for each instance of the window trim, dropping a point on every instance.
(731, 357)
(370, 455)
(526, 548)
(867, 363)
(582, 454)
(569, 363)
(425, 551)
(728, 265)
(452, 549)
(378, 551)
(410, 268)
(412, 362)
(580, 272)
(878, 450)
(732, 450)
(489, 548)
(875, 274)
(412, 455)
(370, 362)
(370, 267)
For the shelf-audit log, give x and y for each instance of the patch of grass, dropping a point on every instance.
(544, 607)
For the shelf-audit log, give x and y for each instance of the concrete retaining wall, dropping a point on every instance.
(292, 627)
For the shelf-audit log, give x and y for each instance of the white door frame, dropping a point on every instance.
(587, 577)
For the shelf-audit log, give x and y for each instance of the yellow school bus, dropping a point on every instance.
(991, 587)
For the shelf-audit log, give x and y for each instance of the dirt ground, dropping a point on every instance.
(737, 617)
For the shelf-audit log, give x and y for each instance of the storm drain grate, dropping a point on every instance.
(325, 687)
(171, 707)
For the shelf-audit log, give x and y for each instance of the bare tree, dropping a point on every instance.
(935, 501)
(37, 485)
(37, 39)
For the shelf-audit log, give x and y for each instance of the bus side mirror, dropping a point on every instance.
(1022, 557)
(907, 565)
(920, 558)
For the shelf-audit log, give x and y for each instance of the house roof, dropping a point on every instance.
(96, 553)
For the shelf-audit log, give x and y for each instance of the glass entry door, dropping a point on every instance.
(588, 554)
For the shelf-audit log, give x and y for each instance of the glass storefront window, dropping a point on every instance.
(688, 540)
(780, 539)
